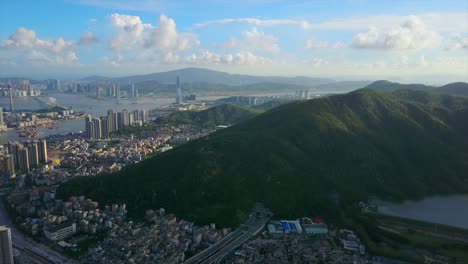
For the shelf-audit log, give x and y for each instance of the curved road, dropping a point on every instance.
(217, 252)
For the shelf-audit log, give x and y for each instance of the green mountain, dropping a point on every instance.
(388, 86)
(310, 157)
(225, 114)
(457, 88)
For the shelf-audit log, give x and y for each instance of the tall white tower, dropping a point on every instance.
(179, 90)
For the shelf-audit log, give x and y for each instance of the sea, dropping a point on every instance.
(449, 210)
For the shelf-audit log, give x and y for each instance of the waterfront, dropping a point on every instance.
(81, 103)
(22, 103)
(448, 210)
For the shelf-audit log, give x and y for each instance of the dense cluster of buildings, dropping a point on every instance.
(18, 157)
(45, 216)
(307, 240)
(101, 128)
(302, 94)
(83, 158)
(294, 249)
(104, 89)
(20, 88)
(162, 238)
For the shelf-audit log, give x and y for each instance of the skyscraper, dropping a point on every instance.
(10, 92)
(8, 166)
(23, 159)
(105, 127)
(42, 151)
(131, 118)
(6, 247)
(1, 117)
(33, 154)
(179, 90)
(125, 117)
(144, 116)
(97, 128)
(13, 149)
(89, 125)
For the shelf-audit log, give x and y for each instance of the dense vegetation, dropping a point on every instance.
(303, 158)
(225, 114)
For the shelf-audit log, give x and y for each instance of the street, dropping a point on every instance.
(218, 251)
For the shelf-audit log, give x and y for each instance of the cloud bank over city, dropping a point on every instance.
(112, 38)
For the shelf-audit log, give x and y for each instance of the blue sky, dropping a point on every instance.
(406, 40)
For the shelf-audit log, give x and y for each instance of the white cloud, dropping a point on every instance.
(254, 40)
(440, 22)
(317, 62)
(257, 22)
(412, 34)
(87, 38)
(206, 57)
(26, 46)
(312, 44)
(134, 35)
(457, 42)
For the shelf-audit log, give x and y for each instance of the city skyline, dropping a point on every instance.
(409, 40)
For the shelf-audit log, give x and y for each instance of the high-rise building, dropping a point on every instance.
(144, 116)
(9, 166)
(117, 92)
(89, 125)
(178, 90)
(6, 246)
(97, 128)
(136, 115)
(42, 151)
(98, 92)
(125, 117)
(23, 159)
(33, 154)
(112, 121)
(13, 149)
(120, 120)
(105, 127)
(1, 117)
(10, 93)
(131, 118)
(53, 85)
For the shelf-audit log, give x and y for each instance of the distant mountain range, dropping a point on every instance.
(311, 157)
(209, 76)
(457, 88)
(204, 80)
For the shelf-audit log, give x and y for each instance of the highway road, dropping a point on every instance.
(39, 252)
(217, 252)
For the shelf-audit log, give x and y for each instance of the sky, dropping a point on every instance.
(401, 40)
